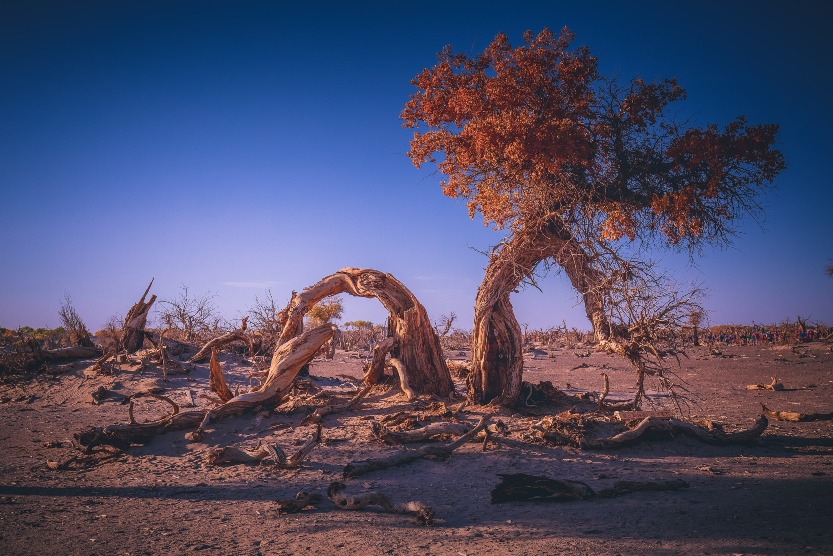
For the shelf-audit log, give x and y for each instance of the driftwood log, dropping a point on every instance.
(417, 345)
(418, 435)
(520, 487)
(710, 434)
(286, 362)
(795, 416)
(424, 515)
(440, 452)
(263, 452)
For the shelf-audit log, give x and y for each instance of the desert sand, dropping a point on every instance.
(773, 497)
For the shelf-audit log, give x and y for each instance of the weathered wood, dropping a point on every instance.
(320, 412)
(417, 344)
(795, 416)
(418, 435)
(239, 335)
(216, 380)
(675, 427)
(424, 515)
(436, 452)
(286, 362)
(376, 369)
(133, 331)
(261, 452)
(775, 386)
(612, 406)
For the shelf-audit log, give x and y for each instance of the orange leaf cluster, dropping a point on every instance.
(534, 131)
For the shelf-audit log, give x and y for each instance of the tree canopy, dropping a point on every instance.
(530, 132)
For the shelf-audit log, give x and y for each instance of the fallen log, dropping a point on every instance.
(286, 362)
(262, 452)
(435, 452)
(795, 416)
(418, 435)
(424, 515)
(775, 386)
(321, 412)
(238, 335)
(520, 487)
(710, 434)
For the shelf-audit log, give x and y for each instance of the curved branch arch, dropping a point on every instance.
(417, 345)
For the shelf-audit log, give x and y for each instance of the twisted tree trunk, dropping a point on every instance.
(497, 349)
(417, 345)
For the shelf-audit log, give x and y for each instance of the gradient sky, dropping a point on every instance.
(236, 147)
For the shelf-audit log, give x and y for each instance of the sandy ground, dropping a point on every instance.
(164, 498)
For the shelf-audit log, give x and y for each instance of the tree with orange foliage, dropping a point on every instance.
(573, 166)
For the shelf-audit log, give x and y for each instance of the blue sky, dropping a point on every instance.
(239, 146)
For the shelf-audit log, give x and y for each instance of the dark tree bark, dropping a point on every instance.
(417, 345)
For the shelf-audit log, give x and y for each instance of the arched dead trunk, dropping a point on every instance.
(417, 345)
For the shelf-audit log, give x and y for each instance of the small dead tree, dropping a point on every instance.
(193, 317)
(72, 323)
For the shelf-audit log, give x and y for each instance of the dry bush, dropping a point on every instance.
(189, 318)
(72, 323)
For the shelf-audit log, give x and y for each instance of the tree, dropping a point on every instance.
(79, 335)
(829, 269)
(192, 316)
(326, 310)
(574, 167)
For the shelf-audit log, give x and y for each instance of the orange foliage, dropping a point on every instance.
(534, 131)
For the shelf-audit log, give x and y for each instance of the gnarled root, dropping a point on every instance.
(436, 452)
(262, 452)
(424, 515)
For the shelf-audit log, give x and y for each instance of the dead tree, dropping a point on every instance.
(133, 331)
(287, 360)
(239, 335)
(416, 343)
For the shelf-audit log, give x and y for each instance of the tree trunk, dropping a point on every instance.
(497, 349)
(417, 345)
(133, 332)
